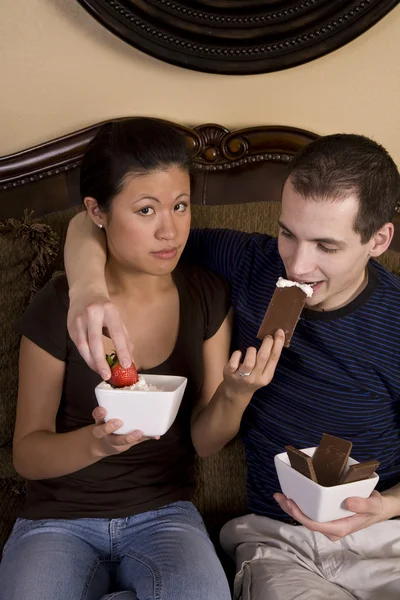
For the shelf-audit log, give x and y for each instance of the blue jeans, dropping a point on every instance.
(164, 554)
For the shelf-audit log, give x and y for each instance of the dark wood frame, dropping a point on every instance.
(214, 147)
(238, 37)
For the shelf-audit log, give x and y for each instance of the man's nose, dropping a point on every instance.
(303, 262)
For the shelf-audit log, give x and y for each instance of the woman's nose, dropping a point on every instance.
(167, 229)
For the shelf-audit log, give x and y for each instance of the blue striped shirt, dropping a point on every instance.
(340, 375)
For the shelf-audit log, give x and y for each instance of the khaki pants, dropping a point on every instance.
(276, 561)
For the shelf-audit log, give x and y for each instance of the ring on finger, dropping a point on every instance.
(243, 374)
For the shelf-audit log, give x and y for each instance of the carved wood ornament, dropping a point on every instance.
(214, 148)
(238, 37)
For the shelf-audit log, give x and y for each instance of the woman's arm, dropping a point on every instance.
(225, 394)
(40, 452)
(90, 307)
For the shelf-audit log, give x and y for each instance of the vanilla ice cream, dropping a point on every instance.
(307, 289)
(139, 386)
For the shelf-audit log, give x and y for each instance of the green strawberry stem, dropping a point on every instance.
(112, 359)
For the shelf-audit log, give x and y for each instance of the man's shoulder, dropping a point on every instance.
(388, 280)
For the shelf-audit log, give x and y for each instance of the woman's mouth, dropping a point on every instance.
(166, 254)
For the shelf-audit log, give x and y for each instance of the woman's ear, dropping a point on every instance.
(94, 211)
(381, 239)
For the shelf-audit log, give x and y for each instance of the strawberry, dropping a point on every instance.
(121, 377)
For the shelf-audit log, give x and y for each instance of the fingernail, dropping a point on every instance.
(126, 363)
(105, 374)
(117, 423)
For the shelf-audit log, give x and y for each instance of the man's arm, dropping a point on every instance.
(90, 307)
(219, 250)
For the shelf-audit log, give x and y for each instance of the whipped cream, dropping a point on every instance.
(139, 386)
(307, 289)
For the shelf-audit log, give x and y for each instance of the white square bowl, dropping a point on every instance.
(316, 501)
(150, 412)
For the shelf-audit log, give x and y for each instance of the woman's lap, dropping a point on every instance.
(160, 555)
(43, 565)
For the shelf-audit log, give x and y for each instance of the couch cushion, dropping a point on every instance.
(26, 252)
(250, 217)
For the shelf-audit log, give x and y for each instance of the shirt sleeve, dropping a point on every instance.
(216, 299)
(45, 320)
(220, 250)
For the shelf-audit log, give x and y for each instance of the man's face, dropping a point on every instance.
(318, 245)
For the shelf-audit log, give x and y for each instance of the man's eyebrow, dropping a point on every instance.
(328, 241)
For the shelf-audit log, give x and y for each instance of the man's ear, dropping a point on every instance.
(381, 239)
(94, 211)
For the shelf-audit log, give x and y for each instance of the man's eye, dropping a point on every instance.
(147, 210)
(180, 207)
(286, 233)
(328, 250)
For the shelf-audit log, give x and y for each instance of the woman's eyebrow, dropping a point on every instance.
(147, 197)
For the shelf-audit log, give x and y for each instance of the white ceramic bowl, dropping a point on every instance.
(150, 412)
(316, 501)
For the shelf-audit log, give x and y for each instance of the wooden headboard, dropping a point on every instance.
(231, 167)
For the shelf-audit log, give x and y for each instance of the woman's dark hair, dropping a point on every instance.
(136, 146)
(336, 166)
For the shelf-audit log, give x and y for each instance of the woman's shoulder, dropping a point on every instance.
(55, 291)
(51, 301)
(206, 294)
(44, 321)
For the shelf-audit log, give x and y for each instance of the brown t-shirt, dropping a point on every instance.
(150, 474)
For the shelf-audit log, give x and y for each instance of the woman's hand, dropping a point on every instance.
(107, 443)
(89, 313)
(257, 368)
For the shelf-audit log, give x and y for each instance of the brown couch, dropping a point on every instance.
(239, 177)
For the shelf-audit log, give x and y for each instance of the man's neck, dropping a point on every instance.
(339, 301)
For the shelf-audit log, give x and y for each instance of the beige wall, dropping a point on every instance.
(60, 70)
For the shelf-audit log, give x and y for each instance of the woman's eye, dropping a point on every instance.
(147, 210)
(180, 207)
(285, 234)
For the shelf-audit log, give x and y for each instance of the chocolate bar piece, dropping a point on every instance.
(301, 462)
(283, 312)
(330, 459)
(359, 471)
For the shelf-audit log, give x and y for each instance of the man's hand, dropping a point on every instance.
(107, 443)
(368, 511)
(88, 315)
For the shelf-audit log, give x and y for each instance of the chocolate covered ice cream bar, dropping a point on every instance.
(301, 462)
(330, 459)
(284, 309)
(360, 471)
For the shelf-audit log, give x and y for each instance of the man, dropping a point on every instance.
(340, 374)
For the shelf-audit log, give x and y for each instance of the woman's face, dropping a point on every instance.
(149, 221)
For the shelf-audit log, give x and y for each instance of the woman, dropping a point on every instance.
(106, 515)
